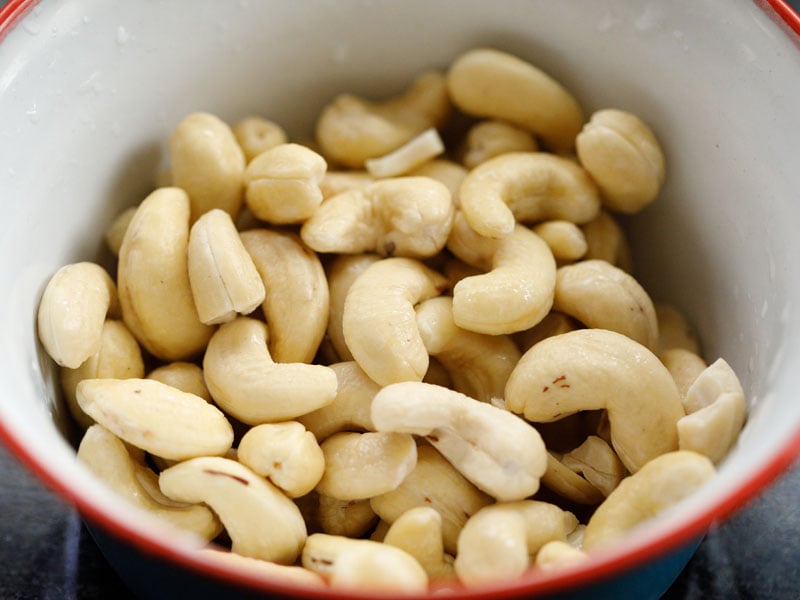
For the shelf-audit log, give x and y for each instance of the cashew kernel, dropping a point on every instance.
(187, 377)
(566, 239)
(606, 240)
(256, 135)
(352, 518)
(597, 462)
(414, 153)
(684, 365)
(116, 231)
(418, 531)
(674, 329)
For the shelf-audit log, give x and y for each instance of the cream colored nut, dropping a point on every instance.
(259, 519)
(597, 462)
(558, 554)
(554, 323)
(527, 187)
(414, 153)
(602, 296)
(660, 484)
(435, 483)
(568, 484)
(501, 454)
(350, 410)
(116, 231)
(296, 303)
(282, 184)
(263, 568)
(674, 329)
(155, 417)
(684, 365)
(246, 383)
(418, 531)
(207, 162)
(187, 377)
(498, 541)
(222, 275)
(606, 240)
(469, 246)
(456, 269)
(401, 216)
(153, 278)
(108, 457)
(256, 135)
(351, 518)
(491, 138)
(623, 156)
(566, 240)
(379, 322)
(119, 357)
(363, 465)
(363, 565)
(72, 312)
(715, 412)
(351, 130)
(286, 454)
(450, 173)
(490, 83)
(336, 182)
(478, 365)
(591, 369)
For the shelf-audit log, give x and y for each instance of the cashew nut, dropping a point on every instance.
(415, 152)
(245, 381)
(554, 323)
(557, 553)
(275, 572)
(256, 135)
(597, 462)
(259, 519)
(566, 240)
(590, 369)
(336, 182)
(606, 240)
(450, 173)
(490, 83)
(491, 138)
(501, 454)
(352, 518)
(187, 377)
(568, 484)
(660, 484)
(684, 365)
(674, 329)
(418, 531)
(116, 231)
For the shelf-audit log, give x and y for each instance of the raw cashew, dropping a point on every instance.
(363, 564)
(623, 156)
(498, 452)
(602, 296)
(434, 482)
(597, 462)
(155, 417)
(336, 182)
(108, 457)
(450, 173)
(674, 329)
(590, 369)
(245, 381)
(415, 152)
(557, 553)
(285, 453)
(263, 568)
(715, 412)
(296, 303)
(490, 83)
(478, 364)
(527, 187)
(363, 465)
(260, 520)
(566, 240)
(187, 377)
(352, 518)
(116, 231)
(660, 484)
(568, 484)
(256, 135)
(684, 365)
(351, 130)
(400, 216)
(72, 312)
(282, 184)
(379, 322)
(554, 323)
(491, 138)
(469, 246)
(222, 275)
(418, 531)
(207, 162)
(153, 278)
(605, 240)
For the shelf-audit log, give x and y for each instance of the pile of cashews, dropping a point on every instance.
(378, 361)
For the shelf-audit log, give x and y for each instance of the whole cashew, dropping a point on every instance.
(527, 187)
(597, 462)
(263, 568)
(352, 518)
(590, 369)
(501, 454)
(379, 322)
(566, 240)
(414, 153)
(185, 376)
(245, 381)
(418, 531)
(660, 484)
(674, 329)
(260, 520)
(256, 135)
(491, 138)
(605, 240)
(685, 367)
(490, 83)
(116, 231)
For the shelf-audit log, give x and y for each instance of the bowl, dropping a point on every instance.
(90, 91)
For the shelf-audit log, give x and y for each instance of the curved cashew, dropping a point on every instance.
(260, 520)
(568, 484)
(72, 312)
(336, 182)
(187, 377)
(156, 418)
(602, 296)
(418, 531)
(245, 381)
(116, 231)
(498, 452)
(566, 239)
(363, 465)
(222, 275)
(674, 329)
(478, 364)
(597, 462)
(401, 216)
(264, 568)
(526, 187)
(490, 83)
(715, 412)
(379, 322)
(153, 278)
(661, 483)
(352, 518)
(415, 152)
(557, 553)
(605, 240)
(450, 173)
(286, 454)
(351, 130)
(108, 457)
(592, 369)
(623, 157)
(207, 162)
(491, 138)
(296, 303)
(256, 135)
(684, 365)
(554, 323)
(282, 184)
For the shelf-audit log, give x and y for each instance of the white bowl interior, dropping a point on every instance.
(90, 90)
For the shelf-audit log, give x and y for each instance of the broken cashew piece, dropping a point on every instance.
(597, 462)
(491, 138)
(684, 365)
(418, 531)
(565, 482)
(257, 134)
(414, 153)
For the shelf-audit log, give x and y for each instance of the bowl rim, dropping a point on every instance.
(596, 569)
